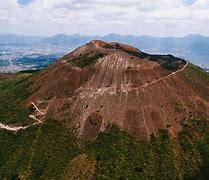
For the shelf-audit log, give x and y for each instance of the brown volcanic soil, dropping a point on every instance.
(109, 83)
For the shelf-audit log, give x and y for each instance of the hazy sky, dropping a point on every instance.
(99, 17)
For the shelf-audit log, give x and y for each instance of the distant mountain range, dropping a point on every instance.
(18, 39)
(194, 48)
(194, 43)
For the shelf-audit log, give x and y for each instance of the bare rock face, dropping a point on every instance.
(105, 83)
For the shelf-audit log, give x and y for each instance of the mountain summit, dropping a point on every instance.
(106, 111)
(104, 83)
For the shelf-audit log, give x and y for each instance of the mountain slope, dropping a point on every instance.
(109, 83)
(90, 104)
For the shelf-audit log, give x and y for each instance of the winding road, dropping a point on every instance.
(17, 128)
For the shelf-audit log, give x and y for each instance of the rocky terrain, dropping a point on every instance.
(106, 111)
(108, 83)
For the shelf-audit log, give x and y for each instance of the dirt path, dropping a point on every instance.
(17, 128)
(11, 128)
(158, 80)
(42, 113)
(126, 89)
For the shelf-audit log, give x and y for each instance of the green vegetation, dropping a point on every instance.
(13, 92)
(120, 156)
(196, 73)
(40, 152)
(81, 167)
(195, 138)
(86, 59)
(203, 147)
(199, 80)
(51, 150)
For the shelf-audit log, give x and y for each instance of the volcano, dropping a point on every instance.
(106, 111)
(103, 83)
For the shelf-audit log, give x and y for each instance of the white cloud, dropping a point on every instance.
(155, 17)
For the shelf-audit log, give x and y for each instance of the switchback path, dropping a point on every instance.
(17, 128)
(42, 113)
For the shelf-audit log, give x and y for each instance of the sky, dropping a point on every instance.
(100, 17)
